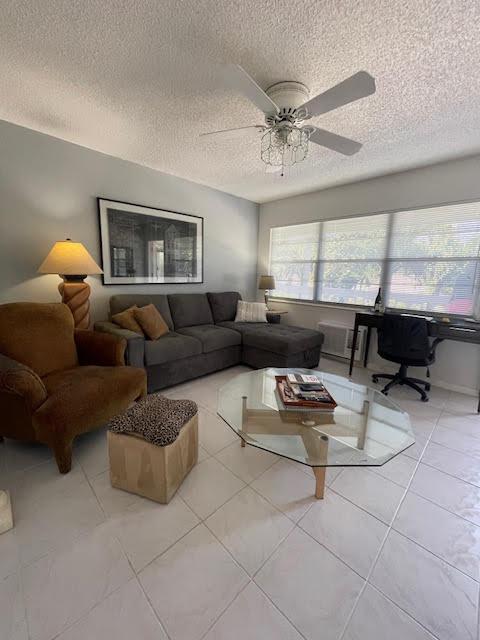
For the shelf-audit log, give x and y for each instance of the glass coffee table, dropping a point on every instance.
(365, 429)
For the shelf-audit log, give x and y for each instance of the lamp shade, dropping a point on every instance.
(70, 259)
(266, 282)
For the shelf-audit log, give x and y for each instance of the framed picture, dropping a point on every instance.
(143, 245)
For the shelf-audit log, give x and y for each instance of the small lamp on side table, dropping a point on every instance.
(266, 283)
(72, 262)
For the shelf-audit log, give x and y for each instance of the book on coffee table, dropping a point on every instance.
(313, 397)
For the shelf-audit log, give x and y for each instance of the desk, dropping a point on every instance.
(459, 331)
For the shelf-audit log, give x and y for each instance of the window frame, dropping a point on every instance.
(385, 262)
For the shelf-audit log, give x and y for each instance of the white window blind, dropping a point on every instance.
(424, 260)
(351, 255)
(293, 260)
(434, 259)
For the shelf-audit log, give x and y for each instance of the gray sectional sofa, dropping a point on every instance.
(204, 337)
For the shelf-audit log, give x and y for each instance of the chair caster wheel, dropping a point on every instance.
(424, 399)
(374, 379)
(427, 387)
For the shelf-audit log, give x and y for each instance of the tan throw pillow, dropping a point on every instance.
(152, 323)
(126, 320)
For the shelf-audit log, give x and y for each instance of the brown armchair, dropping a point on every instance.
(57, 382)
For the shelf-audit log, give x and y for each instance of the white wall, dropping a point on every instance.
(48, 191)
(458, 365)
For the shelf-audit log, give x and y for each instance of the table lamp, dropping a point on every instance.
(72, 262)
(267, 283)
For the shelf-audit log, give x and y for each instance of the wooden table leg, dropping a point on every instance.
(244, 417)
(319, 473)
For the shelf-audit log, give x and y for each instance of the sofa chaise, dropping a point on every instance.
(204, 338)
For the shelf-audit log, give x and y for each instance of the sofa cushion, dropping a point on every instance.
(172, 346)
(124, 301)
(277, 338)
(189, 309)
(212, 337)
(224, 305)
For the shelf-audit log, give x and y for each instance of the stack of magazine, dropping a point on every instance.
(301, 392)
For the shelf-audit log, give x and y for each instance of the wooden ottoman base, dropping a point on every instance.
(151, 471)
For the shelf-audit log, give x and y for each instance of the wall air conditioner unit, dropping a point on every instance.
(339, 338)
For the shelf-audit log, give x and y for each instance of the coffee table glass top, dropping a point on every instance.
(366, 428)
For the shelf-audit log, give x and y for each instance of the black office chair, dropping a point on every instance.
(404, 339)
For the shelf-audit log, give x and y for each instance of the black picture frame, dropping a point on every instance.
(149, 245)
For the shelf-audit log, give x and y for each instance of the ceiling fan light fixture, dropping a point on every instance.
(285, 145)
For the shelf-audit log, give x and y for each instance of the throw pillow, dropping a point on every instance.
(126, 320)
(251, 312)
(152, 323)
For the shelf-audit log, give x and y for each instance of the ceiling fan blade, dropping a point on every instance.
(358, 86)
(335, 142)
(235, 133)
(237, 78)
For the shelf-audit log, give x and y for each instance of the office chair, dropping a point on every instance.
(404, 339)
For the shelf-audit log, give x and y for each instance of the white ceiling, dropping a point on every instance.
(140, 79)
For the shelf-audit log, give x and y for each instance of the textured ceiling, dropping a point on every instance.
(140, 79)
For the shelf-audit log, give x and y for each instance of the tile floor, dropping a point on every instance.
(243, 551)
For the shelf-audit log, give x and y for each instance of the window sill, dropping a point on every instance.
(358, 309)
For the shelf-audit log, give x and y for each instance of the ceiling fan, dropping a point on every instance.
(286, 105)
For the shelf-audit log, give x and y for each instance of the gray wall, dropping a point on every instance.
(48, 191)
(458, 365)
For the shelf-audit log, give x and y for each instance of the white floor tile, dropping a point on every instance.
(460, 402)
(13, 625)
(202, 454)
(425, 410)
(208, 486)
(204, 394)
(51, 509)
(399, 470)
(347, 531)
(415, 451)
(288, 488)
(213, 434)
(9, 553)
(250, 528)
(246, 462)
(330, 474)
(146, 529)
(252, 616)
(431, 591)
(446, 535)
(370, 491)
(376, 618)
(63, 586)
(113, 501)
(192, 584)
(123, 615)
(91, 451)
(315, 590)
(453, 462)
(21, 455)
(422, 428)
(457, 441)
(467, 424)
(451, 493)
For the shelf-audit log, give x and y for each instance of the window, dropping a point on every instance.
(424, 260)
